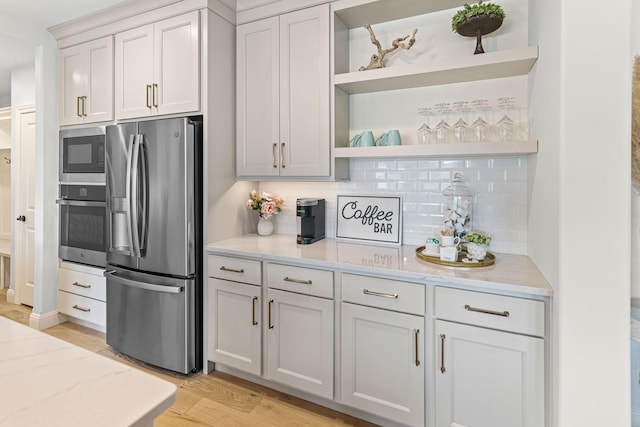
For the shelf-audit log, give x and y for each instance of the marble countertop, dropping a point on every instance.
(47, 381)
(515, 274)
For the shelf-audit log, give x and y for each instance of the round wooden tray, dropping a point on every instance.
(490, 259)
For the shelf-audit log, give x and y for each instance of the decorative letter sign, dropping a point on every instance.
(369, 218)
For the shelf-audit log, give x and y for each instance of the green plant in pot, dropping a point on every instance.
(477, 20)
(477, 244)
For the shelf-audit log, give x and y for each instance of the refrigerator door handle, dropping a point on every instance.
(146, 286)
(145, 194)
(128, 178)
(134, 199)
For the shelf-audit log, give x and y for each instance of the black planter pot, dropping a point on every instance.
(477, 26)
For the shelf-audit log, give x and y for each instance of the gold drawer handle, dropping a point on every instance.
(302, 282)
(80, 285)
(77, 307)
(482, 310)
(273, 154)
(231, 270)
(379, 294)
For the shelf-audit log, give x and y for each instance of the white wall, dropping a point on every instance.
(23, 85)
(635, 195)
(580, 101)
(46, 241)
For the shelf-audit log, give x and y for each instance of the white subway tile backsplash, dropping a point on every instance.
(499, 183)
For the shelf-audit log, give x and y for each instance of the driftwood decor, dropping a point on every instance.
(376, 59)
(635, 125)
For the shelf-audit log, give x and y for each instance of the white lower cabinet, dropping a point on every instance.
(382, 351)
(487, 377)
(300, 341)
(82, 293)
(234, 325)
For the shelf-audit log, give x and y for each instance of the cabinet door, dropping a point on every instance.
(86, 82)
(304, 92)
(234, 325)
(383, 363)
(177, 64)
(300, 341)
(73, 66)
(134, 72)
(487, 378)
(257, 97)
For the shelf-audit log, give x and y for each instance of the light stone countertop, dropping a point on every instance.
(45, 381)
(514, 274)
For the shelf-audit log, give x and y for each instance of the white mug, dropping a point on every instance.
(450, 240)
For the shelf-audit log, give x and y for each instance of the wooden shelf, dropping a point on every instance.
(356, 13)
(440, 150)
(506, 63)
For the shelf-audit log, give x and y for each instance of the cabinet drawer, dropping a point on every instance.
(83, 284)
(82, 308)
(235, 269)
(394, 295)
(511, 314)
(303, 280)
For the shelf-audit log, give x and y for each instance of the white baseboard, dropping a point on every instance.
(11, 296)
(47, 320)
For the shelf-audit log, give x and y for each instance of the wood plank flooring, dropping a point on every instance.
(216, 399)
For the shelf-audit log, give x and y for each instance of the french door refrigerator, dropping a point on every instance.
(154, 241)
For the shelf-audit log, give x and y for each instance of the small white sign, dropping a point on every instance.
(369, 218)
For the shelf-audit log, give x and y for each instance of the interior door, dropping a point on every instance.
(25, 202)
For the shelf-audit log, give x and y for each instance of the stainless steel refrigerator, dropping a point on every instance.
(154, 241)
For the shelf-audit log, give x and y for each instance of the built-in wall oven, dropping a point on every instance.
(83, 224)
(82, 196)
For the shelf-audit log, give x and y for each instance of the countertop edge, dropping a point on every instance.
(263, 249)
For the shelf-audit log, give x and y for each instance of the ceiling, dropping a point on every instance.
(40, 13)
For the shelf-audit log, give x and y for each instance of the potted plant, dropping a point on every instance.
(477, 245)
(477, 20)
(267, 205)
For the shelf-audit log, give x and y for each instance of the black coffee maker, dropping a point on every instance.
(310, 217)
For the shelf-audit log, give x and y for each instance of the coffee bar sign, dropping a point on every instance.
(369, 218)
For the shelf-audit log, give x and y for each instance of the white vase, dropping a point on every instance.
(265, 227)
(477, 251)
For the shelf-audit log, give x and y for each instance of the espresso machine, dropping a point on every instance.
(310, 218)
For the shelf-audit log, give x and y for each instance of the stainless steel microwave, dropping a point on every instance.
(82, 155)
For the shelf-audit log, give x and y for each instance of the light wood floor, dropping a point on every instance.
(216, 399)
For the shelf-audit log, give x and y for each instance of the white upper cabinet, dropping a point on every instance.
(86, 82)
(157, 68)
(283, 95)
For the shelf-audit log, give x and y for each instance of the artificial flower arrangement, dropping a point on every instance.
(266, 204)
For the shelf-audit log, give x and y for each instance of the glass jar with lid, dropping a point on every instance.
(459, 206)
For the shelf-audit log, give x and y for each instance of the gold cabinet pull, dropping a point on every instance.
(379, 294)
(273, 154)
(148, 96)
(482, 310)
(442, 368)
(270, 325)
(84, 106)
(77, 307)
(253, 311)
(232, 270)
(80, 285)
(155, 95)
(78, 106)
(282, 155)
(302, 282)
(417, 332)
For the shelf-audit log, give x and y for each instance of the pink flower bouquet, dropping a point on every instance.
(266, 204)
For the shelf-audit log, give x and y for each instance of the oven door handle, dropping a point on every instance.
(142, 285)
(84, 203)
